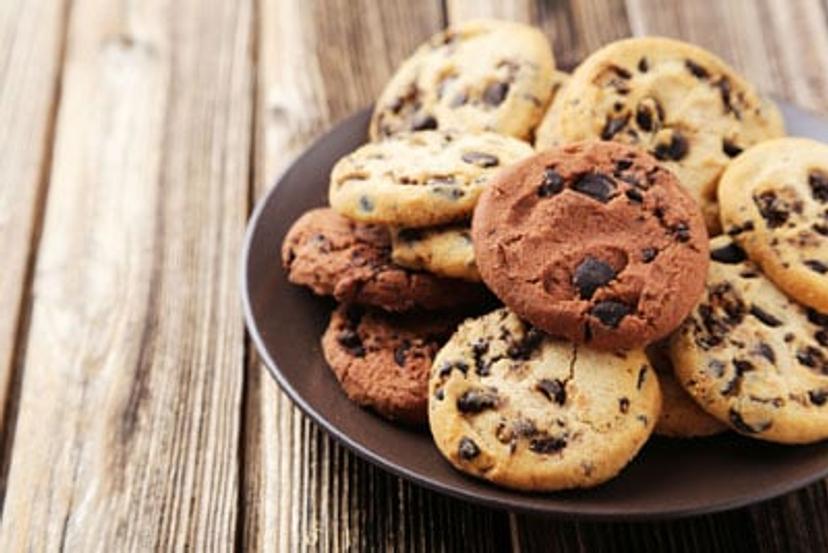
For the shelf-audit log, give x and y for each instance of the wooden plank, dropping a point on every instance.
(318, 62)
(128, 430)
(31, 48)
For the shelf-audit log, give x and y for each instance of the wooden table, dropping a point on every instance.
(134, 138)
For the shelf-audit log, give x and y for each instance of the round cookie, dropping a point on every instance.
(545, 136)
(595, 242)
(445, 251)
(514, 406)
(383, 361)
(680, 102)
(681, 416)
(774, 202)
(482, 75)
(753, 358)
(351, 261)
(420, 179)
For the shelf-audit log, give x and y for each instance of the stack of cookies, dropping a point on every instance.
(546, 309)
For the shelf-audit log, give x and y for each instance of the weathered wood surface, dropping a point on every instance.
(138, 135)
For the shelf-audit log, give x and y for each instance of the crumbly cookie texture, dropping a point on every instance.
(593, 241)
(509, 404)
(774, 202)
(420, 179)
(482, 75)
(680, 102)
(752, 357)
(351, 261)
(446, 250)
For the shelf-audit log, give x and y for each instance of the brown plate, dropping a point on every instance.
(669, 478)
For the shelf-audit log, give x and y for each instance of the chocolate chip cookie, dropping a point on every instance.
(774, 202)
(753, 358)
(595, 242)
(509, 404)
(545, 134)
(482, 75)
(681, 103)
(382, 361)
(444, 250)
(351, 261)
(420, 179)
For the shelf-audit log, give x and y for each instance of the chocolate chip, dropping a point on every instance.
(400, 351)
(675, 150)
(634, 195)
(681, 231)
(766, 351)
(820, 228)
(817, 318)
(553, 389)
(644, 118)
(624, 405)
(818, 181)
(621, 72)
(642, 375)
(822, 337)
(816, 266)
(448, 366)
(737, 229)
(730, 254)
(739, 423)
(811, 357)
(623, 164)
(723, 84)
(476, 401)
(730, 149)
(648, 254)
(764, 316)
(467, 449)
(481, 159)
(610, 312)
(551, 184)
(479, 349)
(423, 122)
(818, 397)
(350, 340)
(526, 347)
(613, 125)
(440, 394)
(590, 275)
(495, 93)
(697, 70)
(547, 445)
(595, 185)
(773, 210)
(643, 65)
(365, 204)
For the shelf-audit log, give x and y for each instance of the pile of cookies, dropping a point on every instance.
(523, 258)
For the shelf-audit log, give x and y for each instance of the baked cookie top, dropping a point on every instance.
(595, 242)
(678, 101)
(446, 250)
(774, 202)
(753, 358)
(514, 406)
(482, 75)
(420, 179)
(351, 261)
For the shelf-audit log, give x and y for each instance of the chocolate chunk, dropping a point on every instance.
(495, 93)
(423, 122)
(818, 181)
(675, 150)
(481, 159)
(479, 349)
(547, 445)
(730, 149)
(526, 347)
(773, 210)
(467, 449)
(350, 340)
(812, 358)
(697, 70)
(730, 254)
(590, 275)
(613, 125)
(818, 397)
(610, 312)
(739, 423)
(816, 266)
(621, 72)
(644, 118)
(595, 185)
(822, 337)
(365, 204)
(766, 351)
(681, 231)
(737, 230)
(440, 394)
(624, 405)
(820, 228)
(817, 318)
(648, 254)
(723, 84)
(448, 366)
(634, 195)
(551, 184)
(764, 316)
(623, 164)
(553, 389)
(476, 401)
(643, 65)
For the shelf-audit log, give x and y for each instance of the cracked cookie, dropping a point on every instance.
(351, 261)
(509, 404)
(482, 75)
(445, 250)
(774, 202)
(420, 179)
(681, 103)
(753, 358)
(383, 361)
(594, 242)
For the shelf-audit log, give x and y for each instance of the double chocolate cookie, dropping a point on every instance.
(595, 242)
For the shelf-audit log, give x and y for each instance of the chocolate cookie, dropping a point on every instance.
(351, 261)
(774, 202)
(445, 250)
(753, 358)
(595, 242)
(382, 361)
(514, 406)
(678, 101)
(482, 75)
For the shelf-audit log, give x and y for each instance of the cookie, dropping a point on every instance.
(545, 134)
(752, 357)
(681, 103)
(482, 75)
(382, 361)
(351, 261)
(420, 179)
(681, 416)
(445, 250)
(514, 406)
(774, 202)
(594, 242)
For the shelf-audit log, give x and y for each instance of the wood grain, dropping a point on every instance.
(128, 430)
